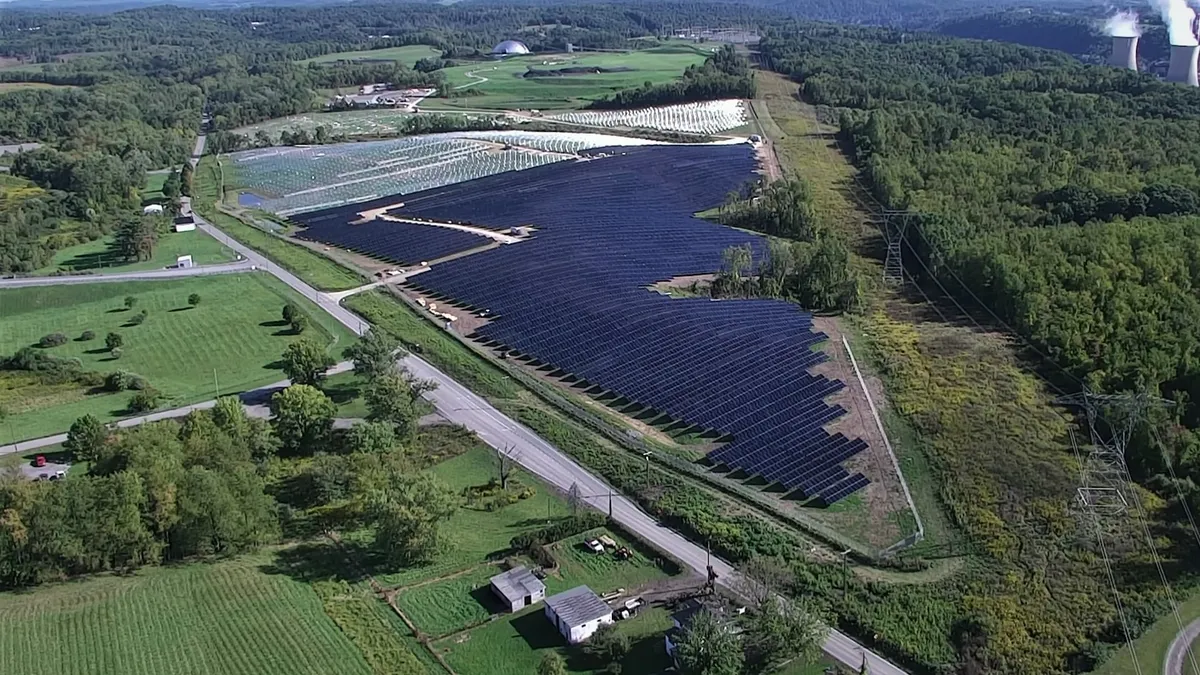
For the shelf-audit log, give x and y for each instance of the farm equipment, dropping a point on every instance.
(623, 553)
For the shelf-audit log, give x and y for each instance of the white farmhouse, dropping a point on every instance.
(578, 613)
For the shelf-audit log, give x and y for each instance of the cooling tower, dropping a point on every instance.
(1124, 53)
(1183, 65)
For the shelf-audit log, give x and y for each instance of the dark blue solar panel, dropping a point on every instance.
(575, 297)
(401, 243)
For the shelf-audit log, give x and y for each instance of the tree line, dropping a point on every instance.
(203, 485)
(1061, 196)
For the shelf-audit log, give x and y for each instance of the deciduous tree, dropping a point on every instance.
(707, 646)
(305, 361)
(86, 438)
(302, 417)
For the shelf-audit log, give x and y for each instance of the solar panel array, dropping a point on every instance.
(402, 243)
(575, 297)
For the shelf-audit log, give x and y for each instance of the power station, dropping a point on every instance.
(1124, 52)
(1183, 65)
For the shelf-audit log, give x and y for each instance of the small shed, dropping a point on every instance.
(152, 209)
(578, 613)
(184, 223)
(518, 588)
(184, 261)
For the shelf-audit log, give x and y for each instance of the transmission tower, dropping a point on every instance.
(1103, 474)
(895, 228)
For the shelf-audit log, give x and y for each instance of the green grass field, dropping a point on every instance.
(100, 256)
(473, 534)
(231, 341)
(504, 87)
(1152, 646)
(452, 604)
(600, 571)
(228, 617)
(514, 645)
(408, 55)
(154, 186)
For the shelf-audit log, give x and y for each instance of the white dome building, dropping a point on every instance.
(510, 48)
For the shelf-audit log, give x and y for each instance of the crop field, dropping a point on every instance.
(226, 617)
(407, 54)
(294, 179)
(99, 256)
(538, 82)
(708, 117)
(229, 342)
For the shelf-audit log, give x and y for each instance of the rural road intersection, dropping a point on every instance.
(461, 406)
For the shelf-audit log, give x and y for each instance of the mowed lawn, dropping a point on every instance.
(407, 54)
(231, 341)
(99, 256)
(473, 534)
(229, 618)
(514, 645)
(505, 87)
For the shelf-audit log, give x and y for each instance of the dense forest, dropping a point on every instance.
(1063, 197)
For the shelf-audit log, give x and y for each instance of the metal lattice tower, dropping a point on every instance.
(895, 228)
(1103, 475)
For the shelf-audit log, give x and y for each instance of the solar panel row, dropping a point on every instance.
(402, 243)
(575, 296)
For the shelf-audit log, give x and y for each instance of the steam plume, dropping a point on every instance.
(1122, 24)
(1179, 19)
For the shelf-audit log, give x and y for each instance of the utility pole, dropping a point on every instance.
(845, 573)
(646, 455)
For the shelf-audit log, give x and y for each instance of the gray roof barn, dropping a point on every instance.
(517, 583)
(578, 606)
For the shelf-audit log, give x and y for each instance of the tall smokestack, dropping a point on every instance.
(1124, 53)
(1183, 65)
(1124, 29)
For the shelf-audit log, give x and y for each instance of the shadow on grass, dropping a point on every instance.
(181, 309)
(278, 323)
(342, 393)
(488, 600)
(316, 561)
(537, 631)
(274, 365)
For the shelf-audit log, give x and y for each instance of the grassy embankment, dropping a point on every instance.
(231, 340)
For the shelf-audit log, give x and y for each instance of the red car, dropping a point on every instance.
(40, 460)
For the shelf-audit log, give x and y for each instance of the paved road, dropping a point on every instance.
(459, 405)
(1177, 653)
(148, 275)
(255, 401)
